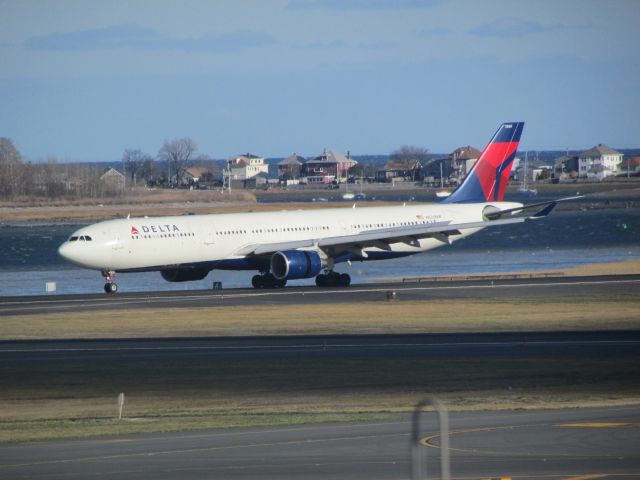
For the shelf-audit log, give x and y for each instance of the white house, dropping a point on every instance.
(247, 166)
(599, 162)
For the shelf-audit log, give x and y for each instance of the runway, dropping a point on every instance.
(552, 287)
(557, 444)
(446, 345)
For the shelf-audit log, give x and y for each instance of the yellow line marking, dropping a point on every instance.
(595, 425)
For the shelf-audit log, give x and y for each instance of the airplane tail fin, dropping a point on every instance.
(487, 180)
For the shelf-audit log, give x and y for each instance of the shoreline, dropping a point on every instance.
(181, 202)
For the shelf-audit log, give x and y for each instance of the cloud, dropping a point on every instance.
(360, 5)
(510, 27)
(142, 38)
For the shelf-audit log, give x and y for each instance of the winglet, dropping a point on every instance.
(545, 211)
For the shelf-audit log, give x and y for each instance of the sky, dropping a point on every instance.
(84, 80)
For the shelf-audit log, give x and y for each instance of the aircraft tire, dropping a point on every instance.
(257, 281)
(344, 280)
(110, 287)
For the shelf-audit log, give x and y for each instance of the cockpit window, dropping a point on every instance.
(82, 238)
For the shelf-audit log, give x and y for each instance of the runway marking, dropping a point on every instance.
(322, 346)
(201, 449)
(66, 303)
(595, 425)
(428, 441)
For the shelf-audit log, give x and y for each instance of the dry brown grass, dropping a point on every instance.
(627, 267)
(466, 315)
(234, 203)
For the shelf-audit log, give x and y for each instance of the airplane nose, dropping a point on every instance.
(64, 251)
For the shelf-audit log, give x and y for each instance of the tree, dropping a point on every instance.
(356, 171)
(136, 163)
(409, 158)
(177, 153)
(10, 168)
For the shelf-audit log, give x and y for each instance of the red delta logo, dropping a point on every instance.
(134, 231)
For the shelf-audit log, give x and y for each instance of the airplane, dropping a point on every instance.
(301, 244)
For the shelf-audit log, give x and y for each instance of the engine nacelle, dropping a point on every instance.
(292, 264)
(184, 274)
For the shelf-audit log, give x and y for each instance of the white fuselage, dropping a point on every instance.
(153, 243)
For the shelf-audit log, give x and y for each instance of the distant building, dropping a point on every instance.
(566, 167)
(599, 162)
(290, 168)
(257, 181)
(328, 167)
(463, 159)
(247, 166)
(455, 166)
(113, 180)
(630, 165)
(196, 174)
(408, 170)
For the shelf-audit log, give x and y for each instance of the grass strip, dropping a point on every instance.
(595, 312)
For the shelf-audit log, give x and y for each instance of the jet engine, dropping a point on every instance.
(184, 274)
(291, 264)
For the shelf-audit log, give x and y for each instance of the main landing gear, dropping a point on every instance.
(267, 280)
(333, 279)
(111, 286)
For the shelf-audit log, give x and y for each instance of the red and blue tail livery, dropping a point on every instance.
(487, 180)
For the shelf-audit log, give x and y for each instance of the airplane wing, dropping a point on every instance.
(410, 235)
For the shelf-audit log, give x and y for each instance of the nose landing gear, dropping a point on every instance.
(111, 286)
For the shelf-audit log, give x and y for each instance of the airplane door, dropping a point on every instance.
(210, 235)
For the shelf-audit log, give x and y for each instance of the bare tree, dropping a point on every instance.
(135, 163)
(410, 159)
(177, 153)
(10, 169)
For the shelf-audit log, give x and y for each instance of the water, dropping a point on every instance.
(29, 259)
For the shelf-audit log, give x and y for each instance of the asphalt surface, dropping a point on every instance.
(557, 444)
(581, 443)
(200, 349)
(552, 287)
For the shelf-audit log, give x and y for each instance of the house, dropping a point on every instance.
(630, 166)
(290, 168)
(196, 174)
(406, 170)
(455, 166)
(246, 166)
(328, 167)
(599, 162)
(567, 165)
(463, 159)
(256, 181)
(112, 179)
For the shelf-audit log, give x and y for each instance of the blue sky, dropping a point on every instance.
(85, 80)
